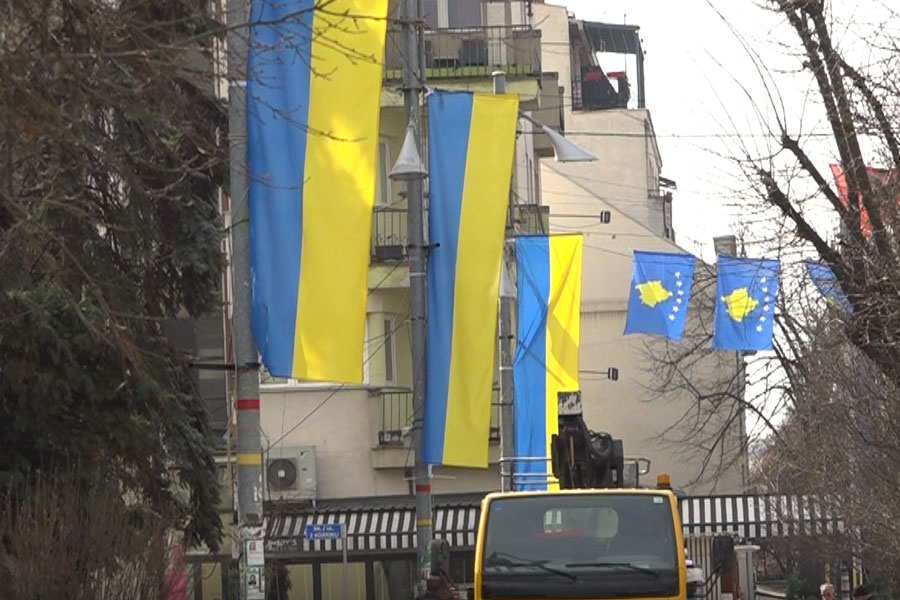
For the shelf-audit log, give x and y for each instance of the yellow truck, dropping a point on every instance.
(584, 543)
(594, 534)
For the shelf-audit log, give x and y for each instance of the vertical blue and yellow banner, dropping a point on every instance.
(313, 103)
(546, 361)
(471, 145)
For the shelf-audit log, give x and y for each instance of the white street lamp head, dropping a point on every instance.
(409, 165)
(564, 150)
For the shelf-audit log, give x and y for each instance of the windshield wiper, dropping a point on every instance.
(623, 565)
(504, 559)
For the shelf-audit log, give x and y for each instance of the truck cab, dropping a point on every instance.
(580, 543)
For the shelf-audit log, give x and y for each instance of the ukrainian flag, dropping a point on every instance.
(546, 362)
(313, 101)
(471, 146)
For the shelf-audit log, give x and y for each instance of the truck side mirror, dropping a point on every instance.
(440, 559)
(723, 554)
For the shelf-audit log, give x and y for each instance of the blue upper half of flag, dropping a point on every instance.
(825, 281)
(746, 289)
(660, 290)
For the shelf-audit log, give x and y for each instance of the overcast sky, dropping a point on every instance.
(697, 69)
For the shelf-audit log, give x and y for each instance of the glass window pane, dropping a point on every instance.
(394, 579)
(389, 349)
(301, 578)
(211, 580)
(333, 581)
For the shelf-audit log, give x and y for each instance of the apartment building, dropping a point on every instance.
(339, 453)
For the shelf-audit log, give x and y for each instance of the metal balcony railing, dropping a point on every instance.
(389, 237)
(471, 52)
(530, 218)
(397, 417)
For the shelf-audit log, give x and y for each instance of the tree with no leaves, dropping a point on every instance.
(833, 380)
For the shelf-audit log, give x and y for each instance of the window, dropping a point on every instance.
(452, 14)
(394, 579)
(390, 325)
(383, 195)
(333, 581)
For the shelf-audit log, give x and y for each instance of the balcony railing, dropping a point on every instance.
(471, 52)
(397, 417)
(530, 218)
(389, 235)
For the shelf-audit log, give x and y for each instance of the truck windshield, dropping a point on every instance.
(597, 545)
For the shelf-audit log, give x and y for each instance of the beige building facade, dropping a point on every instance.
(338, 453)
(622, 203)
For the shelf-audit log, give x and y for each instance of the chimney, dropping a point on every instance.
(725, 244)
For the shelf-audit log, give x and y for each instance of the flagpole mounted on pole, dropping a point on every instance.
(410, 168)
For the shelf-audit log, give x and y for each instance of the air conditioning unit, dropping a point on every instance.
(291, 473)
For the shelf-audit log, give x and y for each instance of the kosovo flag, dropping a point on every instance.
(745, 303)
(660, 289)
(825, 281)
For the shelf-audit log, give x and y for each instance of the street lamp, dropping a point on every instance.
(563, 149)
(409, 165)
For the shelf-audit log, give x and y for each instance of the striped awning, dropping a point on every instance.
(374, 529)
(755, 517)
(387, 525)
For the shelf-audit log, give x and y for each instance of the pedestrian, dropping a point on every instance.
(861, 592)
(826, 590)
(437, 589)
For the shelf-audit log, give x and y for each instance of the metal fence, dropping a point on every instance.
(389, 234)
(472, 51)
(397, 416)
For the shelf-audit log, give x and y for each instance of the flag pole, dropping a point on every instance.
(246, 358)
(410, 169)
(507, 446)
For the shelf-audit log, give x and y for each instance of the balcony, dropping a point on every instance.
(471, 52)
(396, 417)
(530, 219)
(389, 237)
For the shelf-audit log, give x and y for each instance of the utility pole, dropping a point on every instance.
(246, 357)
(412, 85)
(507, 444)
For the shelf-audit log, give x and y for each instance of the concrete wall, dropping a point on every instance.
(627, 408)
(342, 424)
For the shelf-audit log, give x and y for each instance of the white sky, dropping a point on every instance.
(695, 68)
(701, 87)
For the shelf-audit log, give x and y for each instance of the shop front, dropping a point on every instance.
(381, 546)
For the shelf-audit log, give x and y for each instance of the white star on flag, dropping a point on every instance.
(671, 317)
(759, 328)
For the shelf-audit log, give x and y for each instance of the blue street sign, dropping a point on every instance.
(324, 531)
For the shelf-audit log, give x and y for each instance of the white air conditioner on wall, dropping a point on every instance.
(291, 473)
